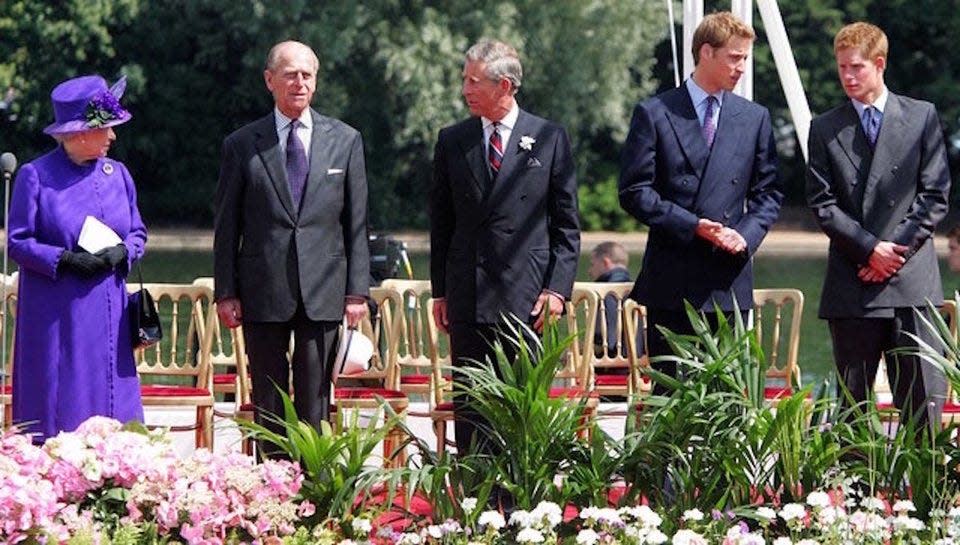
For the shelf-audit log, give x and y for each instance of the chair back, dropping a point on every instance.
(440, 358)
(414, 349)
(383, 329)
(226, 351)
(581, 321)
(777, 313)
(8, 315)
(635, 322)
(189, 319)
(610, 351)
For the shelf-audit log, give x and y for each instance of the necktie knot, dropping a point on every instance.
(297, 167)
(709, 121)
(495, 150)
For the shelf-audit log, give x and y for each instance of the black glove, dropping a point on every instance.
(114, 256)
(82, 263)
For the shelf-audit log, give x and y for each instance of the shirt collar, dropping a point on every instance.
(880, 104)
(508, 121)
(282, 121)
(698, 95)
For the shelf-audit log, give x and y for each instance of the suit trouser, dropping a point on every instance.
(677, 322)
(315, 347)
(471, 343)
(918, 387)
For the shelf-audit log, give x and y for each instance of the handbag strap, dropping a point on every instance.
(140, 274)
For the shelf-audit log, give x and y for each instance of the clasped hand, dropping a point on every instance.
(84, 264)
(721, 236)
(884, 262)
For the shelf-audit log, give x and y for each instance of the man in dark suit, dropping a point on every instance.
(878, 182)
(290, 239)
(504, 234)
(700, 168)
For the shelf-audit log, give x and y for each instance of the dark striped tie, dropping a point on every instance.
(297, 168)
(495, 150)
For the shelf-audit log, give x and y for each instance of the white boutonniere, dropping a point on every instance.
(527, 142)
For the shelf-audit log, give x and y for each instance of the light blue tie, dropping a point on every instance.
(871, 124)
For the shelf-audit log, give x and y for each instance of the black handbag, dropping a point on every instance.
(145, 327)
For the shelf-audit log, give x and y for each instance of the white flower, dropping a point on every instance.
(527, 142)
(656, 537)
(766, 513)
(692, 514)
(468, 504)
(492, 519)
(829, 515)
(434, 531)
(818, 499)
(872, 504)
(529, 535)
(782, 541)
(587, 537)
(904, 522)
(904, 506)
(792, 511)
(409, 539)
(362, 525)
(521, 518)
(549, 513)
(688, 537)
(807, 542)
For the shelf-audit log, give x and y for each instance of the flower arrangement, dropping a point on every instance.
(101, 109)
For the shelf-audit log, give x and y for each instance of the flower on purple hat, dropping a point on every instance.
(103, 108)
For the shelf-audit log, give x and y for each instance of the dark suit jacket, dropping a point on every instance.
(670, 178)
(268, 253)
(897, 192)
(495, 246)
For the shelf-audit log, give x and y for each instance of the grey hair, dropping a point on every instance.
(501, 59)
(273, 57)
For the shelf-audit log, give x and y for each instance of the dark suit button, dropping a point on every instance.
(734, 181)
(894, 169)
(726, 215)
(891, 203)
(685, 182)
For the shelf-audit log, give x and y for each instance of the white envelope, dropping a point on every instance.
(95, 235)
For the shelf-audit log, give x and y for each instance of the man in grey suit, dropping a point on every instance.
(878, 181)
(505, 232)
(700, 168)
(290, 239)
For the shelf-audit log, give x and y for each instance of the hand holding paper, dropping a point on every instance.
(96, 236)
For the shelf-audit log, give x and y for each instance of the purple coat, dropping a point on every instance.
(72, 354)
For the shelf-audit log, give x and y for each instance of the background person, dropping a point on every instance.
(290, 237)
(608, 263)
(73, 357)
(504, 231)
(878, 183)
(700, 168)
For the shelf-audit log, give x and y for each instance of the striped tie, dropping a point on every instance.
(495, 150)
(709, 123)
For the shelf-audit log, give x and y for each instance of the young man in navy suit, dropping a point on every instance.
(878, 183)
(505, 232)
(699, 167)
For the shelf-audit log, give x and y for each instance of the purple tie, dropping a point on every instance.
(296, 164)
(709, 124)
(495, 150)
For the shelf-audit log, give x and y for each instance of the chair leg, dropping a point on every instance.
(440, 431)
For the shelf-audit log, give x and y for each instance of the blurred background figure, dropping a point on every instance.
(73, 357)
(608, 263)
(953, 257)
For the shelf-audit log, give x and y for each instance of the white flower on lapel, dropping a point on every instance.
(527, 142)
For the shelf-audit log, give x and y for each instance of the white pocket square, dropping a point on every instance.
(334, 171)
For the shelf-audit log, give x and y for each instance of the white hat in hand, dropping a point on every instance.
(353, 353)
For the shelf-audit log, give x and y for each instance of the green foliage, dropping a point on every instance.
(600, 208)
(334, 464)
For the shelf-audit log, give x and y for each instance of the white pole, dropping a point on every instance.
(787, 69)
(692, 14)
(743, 9)
(673, 44)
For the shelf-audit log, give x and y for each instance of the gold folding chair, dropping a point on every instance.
(176, 372)
(415, 350)
(380, 382)
(224, 354)
(441, 407)
(635, 322)
(951, 409)
(610, 367)
(775, 311)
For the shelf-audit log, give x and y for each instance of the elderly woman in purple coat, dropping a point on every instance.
(72, 355)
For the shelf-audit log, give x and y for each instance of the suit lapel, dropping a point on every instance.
(730, 130)
(511, 157)
(686, 127)
(852, 139)
(268, 146)
(470, 142)
(889, 147)
(321, 155)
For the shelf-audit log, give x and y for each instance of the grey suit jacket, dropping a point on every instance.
(494, 246)
(270, 254)
(897, 192)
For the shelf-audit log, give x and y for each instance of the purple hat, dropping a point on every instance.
(84, 103)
